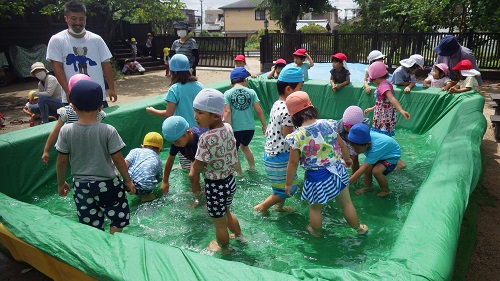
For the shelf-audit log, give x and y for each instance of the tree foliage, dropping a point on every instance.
(288, 11)
(313, 28)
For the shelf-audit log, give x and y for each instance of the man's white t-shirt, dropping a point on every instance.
(80, 55)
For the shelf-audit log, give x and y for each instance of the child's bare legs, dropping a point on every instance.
(315, 219)
(222, 235)
(114, 229)
(273, 199)
(368, 181)
(248, 155)
(378, 172)
(350, 215)
(401, 165)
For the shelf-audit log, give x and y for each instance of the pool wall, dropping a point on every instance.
(424, 250)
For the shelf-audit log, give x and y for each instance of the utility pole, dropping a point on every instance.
(201, 18)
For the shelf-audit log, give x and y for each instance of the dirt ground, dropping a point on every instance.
(484, 263)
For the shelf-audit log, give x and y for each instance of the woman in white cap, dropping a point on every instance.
(49, 92)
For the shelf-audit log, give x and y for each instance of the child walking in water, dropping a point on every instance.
(312, 145)
(386, 105)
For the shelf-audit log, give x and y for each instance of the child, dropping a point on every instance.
(215, 157)
(382, 155)
(138, 68)
(384, 115)
(180, 96)
(2, 120)
(128, 68)
(183, 139)
(438, 78)
(299, 57)
(405, 74)
(144, 166)
(166, 59)
(95, 156)
(133, 46)
(339, 74)
(66, 116)
(276, 150)
(373, 56)
(29, 106)
(312, 145)
(276, 69)
(352, 115)
(240, 61)
(239, 102)
(467, 75)
(149, 44)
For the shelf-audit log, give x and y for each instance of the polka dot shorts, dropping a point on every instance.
(97, 199)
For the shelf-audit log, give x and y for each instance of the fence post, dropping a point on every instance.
(335, 41)
(470, 39)
(420, 42)
(375, 40)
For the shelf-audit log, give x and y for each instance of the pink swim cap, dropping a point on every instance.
(77, 77)
(353, 115)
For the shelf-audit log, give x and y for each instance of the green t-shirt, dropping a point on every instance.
(241, 100)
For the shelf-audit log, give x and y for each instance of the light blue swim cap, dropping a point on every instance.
(291, 74)
(179, 62)
(174, 127)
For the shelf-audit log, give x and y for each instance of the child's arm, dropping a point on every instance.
(397, 105)
(365, 81)
(260, 114)
(61, 166)
(51, 140)
(285, 130)
(271, 73)
(448, 85)
(194, 176)
(332, 82)
(459, 90)
(311, 62)
(359, 172)
(165, 186)
(369, 109)
(427, 81)
(346, 82)
(162, 113)
(408, 87)
(227, 114)
(345, 151)
(28, 112)
(291, 169)
(122, 169)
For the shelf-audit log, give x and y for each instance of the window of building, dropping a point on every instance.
(260, 14)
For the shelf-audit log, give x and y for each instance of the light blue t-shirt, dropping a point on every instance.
(383, 148)
(241, 100)
(400, 75)
(145, 167)
(182, 95)
(305, 70)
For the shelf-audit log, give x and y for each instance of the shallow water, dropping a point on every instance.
(278, 241)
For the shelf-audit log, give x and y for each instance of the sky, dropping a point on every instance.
(215, 4)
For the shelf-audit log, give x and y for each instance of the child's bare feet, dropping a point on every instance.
(362, 229)
(284, 209)
(215, 247)
(260, 208)
(363, 190)
(401, 165)
(383, 193)
(240, 238)
(313, 232)
(147, 197)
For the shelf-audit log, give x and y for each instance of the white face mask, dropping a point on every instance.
(76, 33)
(41, 75)
(181, 33)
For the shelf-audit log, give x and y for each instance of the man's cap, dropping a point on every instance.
(209, 100)
(291, 74)
(297, 101)
(444, 67)
(375, 55)
(359, 134)
(376, 70)
(174, 127)
(77, 77)
(179, 62)
(153, 139)
(240, 58)
(300, 52)
(448, 45)
(340, 56)
(86, 95)
(418, 60)
(239, 72)
(38, 65)
(353, 115)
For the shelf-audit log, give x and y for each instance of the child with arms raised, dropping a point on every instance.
(276, 149)
(240, 103)
(405, 74)
(144, 166)
(312, 145)
(95, 150)
(339, 74)
(276, 69)
(299, 58)
(382, 155)
(215, 157)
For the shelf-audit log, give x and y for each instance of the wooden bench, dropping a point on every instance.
(495, 121)
(496, 99)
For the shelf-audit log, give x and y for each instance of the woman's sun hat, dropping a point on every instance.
(77, 77)
(466, 68)
(153, 139)
(297, 101)
(375, 55)
(38, 65)
(448, 45)
(179, 62)
(377, 70)
(174, 127)
(353, 115)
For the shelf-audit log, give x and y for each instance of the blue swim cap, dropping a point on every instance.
(291, 74)
(359, 134)
(179, 62)
(239, 72)
(174, 127)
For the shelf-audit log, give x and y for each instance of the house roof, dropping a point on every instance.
(242, 4)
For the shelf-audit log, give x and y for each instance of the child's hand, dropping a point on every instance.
(165, 186)
(130, 187)
(334, 87)
(264, 128)
(407, 90)
(369, 109)
(452, 90)
(405, 114)
(288, 188)
(63, 189)
(45, 158)
(348, 162)
(367, 90)
(150, 110)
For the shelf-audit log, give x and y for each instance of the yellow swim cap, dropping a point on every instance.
(30, 94)
(153, 139)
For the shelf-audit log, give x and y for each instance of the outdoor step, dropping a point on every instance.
(155, 68)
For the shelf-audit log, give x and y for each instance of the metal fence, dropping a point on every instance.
(397, 46)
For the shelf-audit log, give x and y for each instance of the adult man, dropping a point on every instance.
(451, 52)
(77, 50)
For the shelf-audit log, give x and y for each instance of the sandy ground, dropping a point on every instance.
(484, 263)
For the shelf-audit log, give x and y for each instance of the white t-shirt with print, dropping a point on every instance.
(275, 141)
(80, 55)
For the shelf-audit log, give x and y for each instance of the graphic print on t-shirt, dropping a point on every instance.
(240, 99)
(79, 60)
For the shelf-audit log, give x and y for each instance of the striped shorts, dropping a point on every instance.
(322, 185)
(276, 173)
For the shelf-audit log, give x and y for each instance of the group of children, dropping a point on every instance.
(208, 127)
